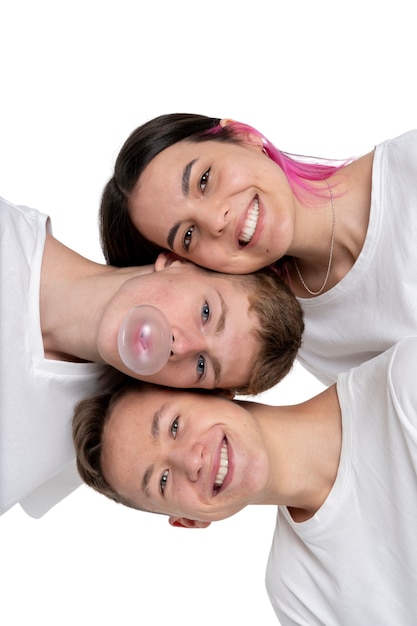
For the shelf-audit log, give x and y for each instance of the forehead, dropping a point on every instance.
(186, 149)
(138, 414)
(187, 275)
(137, 408)
(234, 291)
(169, 165)
(134, 422)
(127, 431)
(131, 417)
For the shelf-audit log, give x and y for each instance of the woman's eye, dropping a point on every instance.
(204, 179)
(163, 481)
(205, 312)
(174, 428)
(188, 235)
(201, 367)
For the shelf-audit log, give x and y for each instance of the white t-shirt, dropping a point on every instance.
(355, 561)
(375, 304)
(37, 395)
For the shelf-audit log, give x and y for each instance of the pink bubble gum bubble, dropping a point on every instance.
(145, 340)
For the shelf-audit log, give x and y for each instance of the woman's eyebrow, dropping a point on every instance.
(186, 177)
(185, 190)
(172, 234)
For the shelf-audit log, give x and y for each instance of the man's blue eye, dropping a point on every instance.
(174, 428)
(205, 312)
(163, 481)
(201, 366)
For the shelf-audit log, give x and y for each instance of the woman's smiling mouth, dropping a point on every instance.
(251, 221)
(223, 468)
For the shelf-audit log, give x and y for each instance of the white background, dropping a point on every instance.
(324, 78)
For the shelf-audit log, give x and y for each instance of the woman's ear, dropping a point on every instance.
(183, 522)
(165, 259)
(243, 133)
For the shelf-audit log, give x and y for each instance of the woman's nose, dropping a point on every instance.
(215, 217)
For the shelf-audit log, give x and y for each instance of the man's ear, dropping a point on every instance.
(225, 393)
(165, 259)
(183, 522)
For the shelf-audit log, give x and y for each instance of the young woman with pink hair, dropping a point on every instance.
(217, 192)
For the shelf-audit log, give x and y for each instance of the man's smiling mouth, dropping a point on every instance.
(251, 221)
(223, 467)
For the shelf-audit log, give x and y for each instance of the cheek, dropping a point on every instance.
(171, 375)
(184, 502)
(245, 264)
(216, 255)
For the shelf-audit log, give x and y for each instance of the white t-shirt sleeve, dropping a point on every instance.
(52, 491)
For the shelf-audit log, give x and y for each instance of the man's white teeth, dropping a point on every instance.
(223, 467)
(251, 221)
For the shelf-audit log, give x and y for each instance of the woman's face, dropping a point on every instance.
(226, 206)
(184, 454)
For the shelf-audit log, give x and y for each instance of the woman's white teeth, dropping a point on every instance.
(251, 221)
(223, 467)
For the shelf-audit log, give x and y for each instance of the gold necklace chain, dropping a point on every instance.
(329, 265)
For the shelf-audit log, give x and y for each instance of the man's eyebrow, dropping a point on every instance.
(222, 319)
(185, 190)
(219, 328)
(155, 434)
(155, 422)
(217, 371)
(146, 480)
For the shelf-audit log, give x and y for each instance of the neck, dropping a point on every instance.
(303, 443)
(351, 190)
(74, 293)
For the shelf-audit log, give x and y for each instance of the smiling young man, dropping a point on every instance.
(341, 468)
(60, 319)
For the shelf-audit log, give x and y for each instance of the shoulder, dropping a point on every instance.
(394, 173)
(392, 371)
(19, 215)
(399, 147)
(23, 224)
(402, 374)
(383, 389)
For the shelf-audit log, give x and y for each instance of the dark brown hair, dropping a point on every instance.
(122, 244)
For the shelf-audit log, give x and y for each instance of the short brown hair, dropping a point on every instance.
(281, 327)
(89, 420)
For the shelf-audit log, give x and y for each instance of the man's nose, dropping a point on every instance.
(188, 459)
(187, 343)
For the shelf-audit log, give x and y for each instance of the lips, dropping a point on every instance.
(251, 221)
(223, 468)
